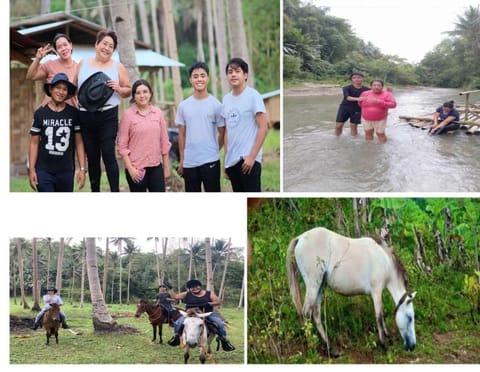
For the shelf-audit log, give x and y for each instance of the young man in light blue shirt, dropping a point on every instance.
(246, 128)
(200, 134)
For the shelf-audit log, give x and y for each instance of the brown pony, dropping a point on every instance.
(51, 322)
(157, 314)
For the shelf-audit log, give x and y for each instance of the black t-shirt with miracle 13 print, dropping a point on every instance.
(56, 151)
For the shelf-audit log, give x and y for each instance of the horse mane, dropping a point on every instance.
(399, 268)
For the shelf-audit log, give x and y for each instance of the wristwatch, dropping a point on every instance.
(83, 169)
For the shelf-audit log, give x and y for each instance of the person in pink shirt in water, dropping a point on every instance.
(375, 104)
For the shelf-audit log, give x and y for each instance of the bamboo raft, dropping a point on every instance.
(469, 116)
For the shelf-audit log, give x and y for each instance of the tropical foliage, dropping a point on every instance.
(191, 21)
(437, 240)
(130, 273)
(323, 47)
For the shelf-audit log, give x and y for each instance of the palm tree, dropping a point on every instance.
(468, 27)
(61, 251)
(118, 242)
(238, 38)
(36, 297)
(102, 321)
(19, 244)
(208, 260)
(130, 250)
(105, 268)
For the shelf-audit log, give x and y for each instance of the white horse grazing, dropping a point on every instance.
(195, 334)
(349, 267)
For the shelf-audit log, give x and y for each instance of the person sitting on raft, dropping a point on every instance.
(445, 119)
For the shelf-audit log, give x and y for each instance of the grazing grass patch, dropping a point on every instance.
(28, 347)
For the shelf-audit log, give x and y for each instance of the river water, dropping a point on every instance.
(315, 160)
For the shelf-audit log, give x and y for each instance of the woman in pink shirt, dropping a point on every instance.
(143, 142)
(61, 46)
(375, 104)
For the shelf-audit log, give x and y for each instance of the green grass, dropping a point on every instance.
(270, 172)
(22, 184)
(28, 347)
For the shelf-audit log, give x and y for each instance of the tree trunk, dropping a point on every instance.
(36, 292)
(105, 268)
(238, 45)
(101, 14)
(419, 251)
(61, 253)
(441, 251)
(164, 258)
(128, 278)
(198, 17)
(172, 47)
(240, 301)
(355, 218)
(208, 261)
(224, 274)
(211, 49)
(102, 321)
(126, 37)
(190, 264)
(45, 6)
(156, 31)
(142, 11)
(82, 279)
(157, 258)
(20, 274)
(218, 12)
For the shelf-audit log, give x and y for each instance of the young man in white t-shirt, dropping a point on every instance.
(246, 128)
(200, 134)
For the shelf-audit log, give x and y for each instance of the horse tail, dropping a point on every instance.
(293, 281)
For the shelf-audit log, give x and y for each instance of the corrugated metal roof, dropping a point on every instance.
(40, 28)
(145, 57)
(271, 94)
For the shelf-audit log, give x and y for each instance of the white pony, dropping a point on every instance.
(349, 267)
(195, 334)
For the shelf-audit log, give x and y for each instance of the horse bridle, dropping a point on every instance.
(400, 302)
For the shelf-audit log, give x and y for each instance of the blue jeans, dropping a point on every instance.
(55, 182)
(214, 318)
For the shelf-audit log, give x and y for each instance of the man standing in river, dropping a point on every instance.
(349, 108)
(375, 104)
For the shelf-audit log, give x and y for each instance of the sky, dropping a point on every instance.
(406, 28)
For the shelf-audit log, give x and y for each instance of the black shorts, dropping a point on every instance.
(343, 115)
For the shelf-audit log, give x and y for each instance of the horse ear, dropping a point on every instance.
(411, 297)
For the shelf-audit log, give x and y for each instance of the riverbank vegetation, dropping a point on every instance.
(436, 239)
(321, 47)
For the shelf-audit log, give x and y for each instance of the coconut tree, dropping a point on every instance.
(36, 293)
(19, 243)
(102, 321)
(130, 251)
(468, 27)
(208, 261)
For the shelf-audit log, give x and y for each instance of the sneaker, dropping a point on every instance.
(174, 341)
(65, 326)
(35, 326)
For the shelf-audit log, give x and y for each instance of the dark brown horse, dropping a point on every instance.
(157, 314)
(51, 322)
